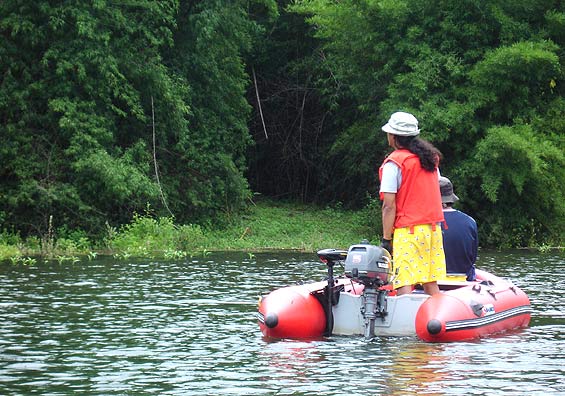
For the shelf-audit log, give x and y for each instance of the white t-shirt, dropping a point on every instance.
(391, 179)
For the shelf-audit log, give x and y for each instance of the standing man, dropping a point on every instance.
(412, 207)
(460, 238)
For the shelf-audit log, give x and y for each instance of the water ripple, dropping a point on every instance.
(188, 328)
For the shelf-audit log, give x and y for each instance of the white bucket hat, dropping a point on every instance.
(402, 124)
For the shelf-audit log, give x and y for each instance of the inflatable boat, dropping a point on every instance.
(362, 302)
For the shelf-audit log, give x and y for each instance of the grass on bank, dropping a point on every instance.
(265, 226)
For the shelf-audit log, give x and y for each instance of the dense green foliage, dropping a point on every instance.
(485, 79)
(110, 108)
(107, 106)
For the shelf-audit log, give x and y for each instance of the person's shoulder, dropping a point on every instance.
(465, 215)
(389, 164)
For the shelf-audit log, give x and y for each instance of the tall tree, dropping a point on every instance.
(72, 109)
(208, 164)
(109, 106)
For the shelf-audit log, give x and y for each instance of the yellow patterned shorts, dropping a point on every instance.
(418, 256)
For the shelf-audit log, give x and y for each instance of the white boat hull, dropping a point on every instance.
(399, 320)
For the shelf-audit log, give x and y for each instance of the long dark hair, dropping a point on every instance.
(429, 155)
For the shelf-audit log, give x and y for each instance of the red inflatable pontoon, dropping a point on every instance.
(487, 307)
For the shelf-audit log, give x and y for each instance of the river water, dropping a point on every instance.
(188, 327)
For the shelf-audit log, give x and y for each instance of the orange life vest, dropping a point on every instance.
(418, 200)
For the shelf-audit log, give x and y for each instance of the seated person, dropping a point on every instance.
(460, 238)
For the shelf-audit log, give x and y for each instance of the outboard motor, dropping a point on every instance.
(369, 264)
(372, 266)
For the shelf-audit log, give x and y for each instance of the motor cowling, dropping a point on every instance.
(369, 264)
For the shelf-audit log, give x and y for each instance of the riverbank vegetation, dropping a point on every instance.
(190, 108)
(265, 225)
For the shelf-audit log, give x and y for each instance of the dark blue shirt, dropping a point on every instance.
(460, 243)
